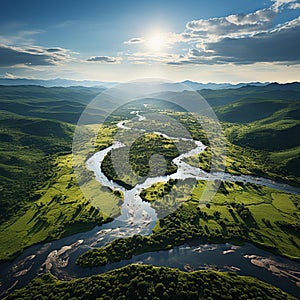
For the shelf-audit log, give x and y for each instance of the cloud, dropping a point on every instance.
(105, 59)
(33, 56)
(280, 45)
(235, 26)
(10, 76)
(243, 38)
(54, 49)
(232, 26)
(134, 41)
(279, 3)
(294, 5)
(236, 39)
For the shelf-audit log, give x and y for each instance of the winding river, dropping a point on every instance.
(137, 217)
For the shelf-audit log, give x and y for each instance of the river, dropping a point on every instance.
(138, 217)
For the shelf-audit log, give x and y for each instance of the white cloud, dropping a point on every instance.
(238, 25)
(294, 5)
(105, 59)
(10, 76)
(279, 3)
(257, 18)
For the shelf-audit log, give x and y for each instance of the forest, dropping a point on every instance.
(153, 283)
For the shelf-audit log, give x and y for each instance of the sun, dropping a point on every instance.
(156, 41)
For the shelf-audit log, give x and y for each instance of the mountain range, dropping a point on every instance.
(170, 86)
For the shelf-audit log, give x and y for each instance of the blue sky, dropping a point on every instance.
(199, 40)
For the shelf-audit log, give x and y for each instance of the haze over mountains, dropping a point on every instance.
(54, 82)
(169, 86)
(67, 103)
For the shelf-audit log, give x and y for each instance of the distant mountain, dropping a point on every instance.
(155, 85)
(216, 98)
(219, 86)
(58, 82)
(292, 86)
(165, 86)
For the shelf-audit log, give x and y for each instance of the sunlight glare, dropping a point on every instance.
(156, 42)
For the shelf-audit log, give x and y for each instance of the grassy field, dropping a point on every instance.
(149, 282)
(60, 209)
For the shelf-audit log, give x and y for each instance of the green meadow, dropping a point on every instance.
(60, 209)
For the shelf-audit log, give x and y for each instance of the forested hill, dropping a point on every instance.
(148, 282)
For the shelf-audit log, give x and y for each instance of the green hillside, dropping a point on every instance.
(276, 136)
(62, 104)
(248, 110)
(39, 196)
(270, 92)
(27, 147)
(270, 128)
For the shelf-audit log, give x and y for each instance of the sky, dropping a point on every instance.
(204, 41)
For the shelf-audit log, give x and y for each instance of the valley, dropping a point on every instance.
(263, 145)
